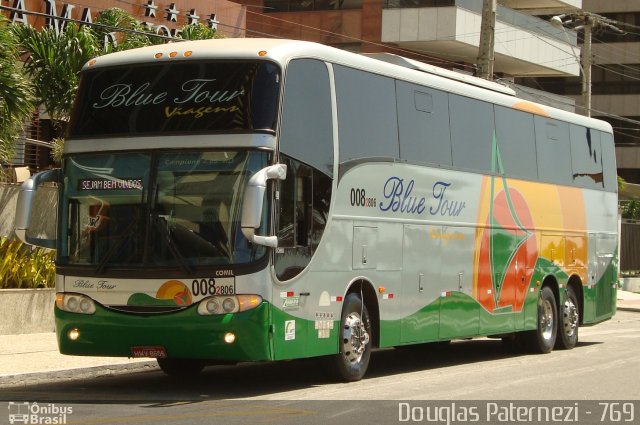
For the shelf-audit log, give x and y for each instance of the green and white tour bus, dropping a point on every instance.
(255, 199)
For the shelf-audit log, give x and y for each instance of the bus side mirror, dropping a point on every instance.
(253, 203)
(24, 207)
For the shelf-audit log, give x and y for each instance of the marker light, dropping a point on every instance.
(157, 55)
(262, 53)
(74, 334)
(228, 304)
(75, 303)
(188, 53)
(229, 338)
(173, 54)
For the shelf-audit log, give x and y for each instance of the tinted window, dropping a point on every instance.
(305, 196)
(306, 128)
(177, 97)
(516, 142)
(423, 124)
(366, 114)
(586, 158)
(472, 131)
(553, 150)
(609, 162)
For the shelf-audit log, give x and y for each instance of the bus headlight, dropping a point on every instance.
(228, 304)
(75, 303)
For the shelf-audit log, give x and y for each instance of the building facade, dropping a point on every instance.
(440, 32)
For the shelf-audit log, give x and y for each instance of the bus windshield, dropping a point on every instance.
(162, 209)
(182, 97)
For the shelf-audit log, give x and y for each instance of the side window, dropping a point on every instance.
(609, 162)
(306, 130)
(586, 157)
(553, 150)
(305, 196)
(472, 128)
(423, 124)
(367, 120)
(516, 143)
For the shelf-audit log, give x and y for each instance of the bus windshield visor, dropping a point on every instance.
(175, 210)
(176, 98)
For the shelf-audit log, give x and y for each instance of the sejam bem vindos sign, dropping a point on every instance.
(58, 17)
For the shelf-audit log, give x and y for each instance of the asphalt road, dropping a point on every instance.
(605, 366)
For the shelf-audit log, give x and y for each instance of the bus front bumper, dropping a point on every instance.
(182, 334)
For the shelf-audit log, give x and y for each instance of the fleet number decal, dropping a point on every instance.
(359, 198)
(209, 287)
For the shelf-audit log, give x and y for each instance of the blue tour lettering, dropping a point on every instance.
(399, 198)
(445, 206)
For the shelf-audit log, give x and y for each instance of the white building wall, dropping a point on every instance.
(461, 28)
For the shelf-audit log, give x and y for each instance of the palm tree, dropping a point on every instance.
(54, 62)
(198, 31)
(16, 93)
(111, 21)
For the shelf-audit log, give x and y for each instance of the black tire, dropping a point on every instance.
(351, 362)
(543, 339)
(569, 321)
(181, 367)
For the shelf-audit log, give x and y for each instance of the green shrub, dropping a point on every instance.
(22, 266)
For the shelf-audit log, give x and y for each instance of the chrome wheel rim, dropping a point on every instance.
(570, 317)
(355, 338)
(546, 320)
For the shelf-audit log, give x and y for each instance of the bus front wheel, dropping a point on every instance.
(181, 367)
(355, 340)
(543, 338)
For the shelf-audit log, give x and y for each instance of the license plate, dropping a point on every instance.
(155, 352)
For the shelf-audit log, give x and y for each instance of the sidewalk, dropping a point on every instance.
(33, 358)
(628, 301)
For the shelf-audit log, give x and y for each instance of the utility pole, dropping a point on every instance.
(587, 22)
(586, 65)
(487, 40)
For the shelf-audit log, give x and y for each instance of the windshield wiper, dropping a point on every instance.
(114, 248)
(162, 226)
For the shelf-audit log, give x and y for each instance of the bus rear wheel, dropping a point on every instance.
(543, 338)
(569, 321)
(351, 363)
(181, 367)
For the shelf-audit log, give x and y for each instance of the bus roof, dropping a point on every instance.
(282, 51)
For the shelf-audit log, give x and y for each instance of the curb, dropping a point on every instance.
(24, 379)
(632, 309)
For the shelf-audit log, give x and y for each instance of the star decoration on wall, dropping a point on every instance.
(150, 9)
(172, 13)
(192, 17)
(213, 22)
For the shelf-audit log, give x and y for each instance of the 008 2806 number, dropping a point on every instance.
(210, 287)
(359, 198)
